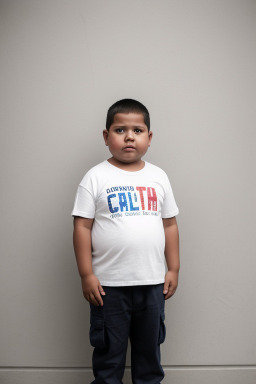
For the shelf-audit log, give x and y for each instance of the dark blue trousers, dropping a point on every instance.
(137, 313)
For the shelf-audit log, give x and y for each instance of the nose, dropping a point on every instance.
(129, 135)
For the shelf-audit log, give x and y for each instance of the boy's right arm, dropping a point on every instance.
(92, 289)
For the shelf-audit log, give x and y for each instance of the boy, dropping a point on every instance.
(124, 230)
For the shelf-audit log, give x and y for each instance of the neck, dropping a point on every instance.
(132, 167)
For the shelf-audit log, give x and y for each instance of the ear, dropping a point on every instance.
(105, 136)
(150, 135)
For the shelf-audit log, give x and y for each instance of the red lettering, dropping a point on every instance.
(152, 199)
(141, 189)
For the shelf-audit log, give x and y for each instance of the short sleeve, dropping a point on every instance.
(84, 205)
(169, 207)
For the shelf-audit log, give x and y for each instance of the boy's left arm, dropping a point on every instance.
(172, 256)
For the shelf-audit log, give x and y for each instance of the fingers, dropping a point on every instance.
(95, 298)
(168, 291)
(92, 289)
(166, 287)
(92, 299)
(98, 298)
(101, 290)
(170, 284)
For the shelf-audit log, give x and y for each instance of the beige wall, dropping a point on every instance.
(192, 63)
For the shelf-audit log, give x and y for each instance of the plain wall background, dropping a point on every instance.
(192, 63)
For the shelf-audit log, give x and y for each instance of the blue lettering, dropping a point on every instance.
(122, 201)
(132, 208)
(110, 206)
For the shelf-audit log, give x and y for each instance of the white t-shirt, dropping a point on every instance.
(128, 238)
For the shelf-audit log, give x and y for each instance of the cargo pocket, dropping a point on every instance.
(97, 333)
(162, 329)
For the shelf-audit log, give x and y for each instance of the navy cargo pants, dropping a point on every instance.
(135, 312)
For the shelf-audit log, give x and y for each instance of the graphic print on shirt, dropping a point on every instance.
(132, 201)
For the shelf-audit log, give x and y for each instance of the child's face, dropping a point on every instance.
(128, 138)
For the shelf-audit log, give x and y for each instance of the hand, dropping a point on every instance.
(171, 283)
(92, 290)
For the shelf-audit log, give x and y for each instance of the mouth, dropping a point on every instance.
(129, 148)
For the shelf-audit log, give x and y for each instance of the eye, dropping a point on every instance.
(119, 130)
(137, 130)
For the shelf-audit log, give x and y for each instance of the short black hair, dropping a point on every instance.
(127, 106)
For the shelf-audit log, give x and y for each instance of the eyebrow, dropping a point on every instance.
(124, 126)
